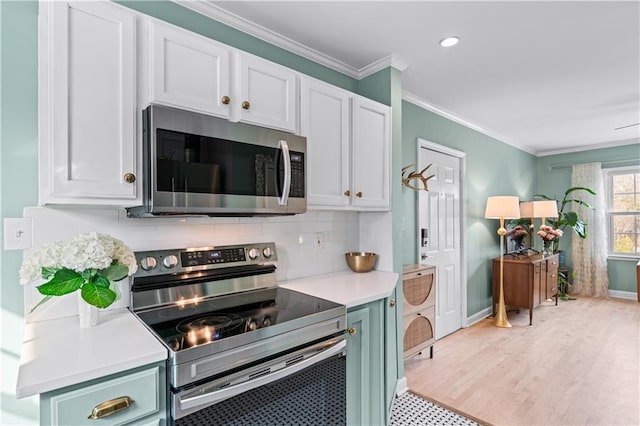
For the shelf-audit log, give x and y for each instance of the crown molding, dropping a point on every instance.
(239, 23)
(232, 20)
(581, 148)
(409, 97)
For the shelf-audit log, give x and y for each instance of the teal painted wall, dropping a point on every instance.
(554, 177)
(19, 131)
(493, 168)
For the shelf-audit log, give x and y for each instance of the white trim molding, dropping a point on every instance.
(619, 294)
(479, 316)
(232, 20)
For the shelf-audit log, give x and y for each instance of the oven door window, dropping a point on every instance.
(188, 163)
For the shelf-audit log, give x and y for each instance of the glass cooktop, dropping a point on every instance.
(197, 322)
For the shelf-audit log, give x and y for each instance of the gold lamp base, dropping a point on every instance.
(501, 320)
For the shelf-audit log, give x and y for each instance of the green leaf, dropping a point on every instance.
(582, 203)
(48, 273)
(579, 188)
(114, 272)
(580, 228)
(571, 218)
(64, 281)
(101, 281)
(543, 197)
(97, 295)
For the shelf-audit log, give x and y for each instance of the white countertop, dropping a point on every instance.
(58, 353)
(346, 287)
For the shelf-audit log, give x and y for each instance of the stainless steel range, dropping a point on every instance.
(241, 349)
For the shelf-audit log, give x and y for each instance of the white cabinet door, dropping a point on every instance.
(370, 152)
(268, 93)
(324, 120)
(87, 97)
(188, 70)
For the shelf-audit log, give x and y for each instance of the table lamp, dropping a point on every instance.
(502, 207)
(545, 209)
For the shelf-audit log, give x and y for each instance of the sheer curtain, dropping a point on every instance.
(590, 254)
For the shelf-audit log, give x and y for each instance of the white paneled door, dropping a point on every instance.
(439, 225)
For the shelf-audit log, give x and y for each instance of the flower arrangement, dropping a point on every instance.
(549, 235)
(517, 232)
(89, 262)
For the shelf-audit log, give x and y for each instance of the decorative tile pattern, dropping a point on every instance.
(411, 410)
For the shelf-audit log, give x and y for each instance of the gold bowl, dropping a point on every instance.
(360, 261)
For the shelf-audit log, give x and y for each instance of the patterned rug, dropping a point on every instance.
(411, 410)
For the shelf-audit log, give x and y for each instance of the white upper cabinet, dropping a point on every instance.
(348, 148)
(193, 72)
(268, 93)
(370, 152)
(188, 70)
(87, 94)
(324, 119)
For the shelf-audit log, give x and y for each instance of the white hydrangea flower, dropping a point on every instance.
(86, 251)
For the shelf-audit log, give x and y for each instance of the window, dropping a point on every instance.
(623, 199)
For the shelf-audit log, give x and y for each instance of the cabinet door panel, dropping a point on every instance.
(325, 123)
(371, 127)
(89, 55)
(188, 70)
(271, 93)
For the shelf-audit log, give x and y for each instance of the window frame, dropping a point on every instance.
(610, 213)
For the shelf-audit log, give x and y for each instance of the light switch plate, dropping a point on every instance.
(17, 233)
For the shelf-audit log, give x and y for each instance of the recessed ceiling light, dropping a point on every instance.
(449, 41)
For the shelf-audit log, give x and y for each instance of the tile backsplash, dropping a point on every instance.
(293, 236)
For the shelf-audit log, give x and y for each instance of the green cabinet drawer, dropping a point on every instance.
(73, 406)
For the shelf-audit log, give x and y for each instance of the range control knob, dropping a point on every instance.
(148, 263)
(253, 253)
(170, 261)
(267, 321)
(253, 325)
(267, 252)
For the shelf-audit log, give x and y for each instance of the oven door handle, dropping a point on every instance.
(207, 399)
(286, 185)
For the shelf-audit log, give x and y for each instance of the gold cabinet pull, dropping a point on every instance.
(347, 192)
(129, 177)
(352, 331)
(226, 100)
(246, 105)
(392, 303)
(110, 407)
(359, 194)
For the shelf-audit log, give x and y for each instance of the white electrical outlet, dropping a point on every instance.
(318, 241)
(17, 233)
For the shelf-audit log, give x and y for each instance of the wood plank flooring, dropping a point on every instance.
(579, 364)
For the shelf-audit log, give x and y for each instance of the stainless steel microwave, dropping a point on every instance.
(196, 164)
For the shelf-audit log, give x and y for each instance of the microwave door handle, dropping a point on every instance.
(286, 185)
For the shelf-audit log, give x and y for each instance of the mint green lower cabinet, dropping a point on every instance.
(365, 365)
(73, 405)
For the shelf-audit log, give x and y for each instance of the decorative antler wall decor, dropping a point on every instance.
(412, 176)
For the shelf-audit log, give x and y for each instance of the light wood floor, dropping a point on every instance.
(579, 364)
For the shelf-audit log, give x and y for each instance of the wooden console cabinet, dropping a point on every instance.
(419, 308)
(528, 281)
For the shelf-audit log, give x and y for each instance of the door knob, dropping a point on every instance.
(129, 177)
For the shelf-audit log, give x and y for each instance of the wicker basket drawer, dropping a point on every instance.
(419, 331)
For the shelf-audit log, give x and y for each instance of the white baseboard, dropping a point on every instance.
(478, 316)
(401, 386)
(623, 294)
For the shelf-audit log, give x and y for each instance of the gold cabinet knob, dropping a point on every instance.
(129, 177)
(359, 194)
(246, 105)
(347, 192)
(392, 303)
(110, 407)
(352, 331)
(226, 100)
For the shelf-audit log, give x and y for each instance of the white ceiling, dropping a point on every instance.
(544, 76)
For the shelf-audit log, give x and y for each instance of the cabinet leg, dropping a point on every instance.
(431, 352)
(530, 316)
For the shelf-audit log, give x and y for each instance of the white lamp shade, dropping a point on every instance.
(506, 207)
(546, 208)
(526, 208)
